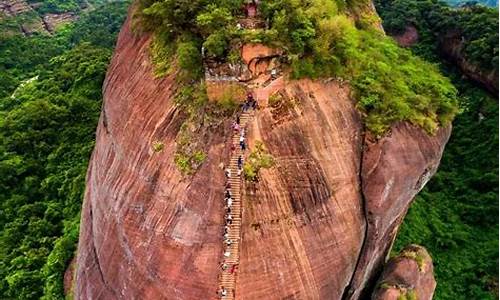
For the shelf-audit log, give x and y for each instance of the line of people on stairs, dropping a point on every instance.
(228, 197)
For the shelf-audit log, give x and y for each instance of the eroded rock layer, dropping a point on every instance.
(317, 225)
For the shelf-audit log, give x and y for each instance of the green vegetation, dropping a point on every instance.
(188, 163)
(456, 215)
(385, 285)
(158, 146)
(408, 295)
(23, 58)
(417, 256)
(321, 41)
(390, 83)
(478, 25)
(258, 158)
(60, 6)
(47, 132)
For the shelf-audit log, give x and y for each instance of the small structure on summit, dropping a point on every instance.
(248, 65)
(251, 8)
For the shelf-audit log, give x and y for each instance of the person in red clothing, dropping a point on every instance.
(233, 268)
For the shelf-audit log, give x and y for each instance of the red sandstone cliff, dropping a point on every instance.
(318, 225)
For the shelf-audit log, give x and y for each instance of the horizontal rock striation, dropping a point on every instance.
(52, 21)
(12, 8)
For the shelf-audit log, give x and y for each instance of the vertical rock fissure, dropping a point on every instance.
(349, 289)
(97, 260)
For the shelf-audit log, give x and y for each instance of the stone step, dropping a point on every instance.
(234, 233)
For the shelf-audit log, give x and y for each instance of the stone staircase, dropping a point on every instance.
(227, 279)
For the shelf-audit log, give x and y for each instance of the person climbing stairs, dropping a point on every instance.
(227, 279)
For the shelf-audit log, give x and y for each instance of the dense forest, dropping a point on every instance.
(433, 19)
(456, 215)
(49, 106)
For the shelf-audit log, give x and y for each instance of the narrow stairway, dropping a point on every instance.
(230, 261)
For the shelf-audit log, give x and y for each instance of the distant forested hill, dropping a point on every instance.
(466, 36)
(50, 100)
(491, 3)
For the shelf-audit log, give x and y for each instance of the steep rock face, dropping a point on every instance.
(409, 273)
(394, 170)
(303, 220)
(318, 225)
(146, 231)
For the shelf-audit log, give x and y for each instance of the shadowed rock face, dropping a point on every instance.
(409, 273)
(318, 225)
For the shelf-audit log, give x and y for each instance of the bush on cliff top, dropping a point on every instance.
(389, 83)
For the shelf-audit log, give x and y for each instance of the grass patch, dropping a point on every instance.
(258, 158)
(161, 53)
(417, 256)
(157, 146)
(275, 99)
(188, 163)
(385, 286)
(408, 295)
